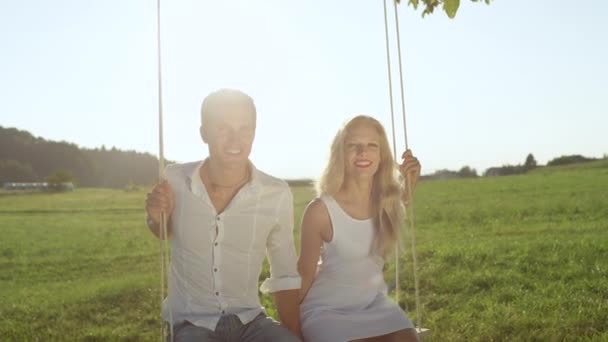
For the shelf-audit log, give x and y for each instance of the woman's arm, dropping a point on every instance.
(316, 227)
(410, 170)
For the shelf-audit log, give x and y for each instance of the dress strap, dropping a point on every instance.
(335, 214)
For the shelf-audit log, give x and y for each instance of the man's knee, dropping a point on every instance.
(187, 332)
(279, 333)
(266, 329)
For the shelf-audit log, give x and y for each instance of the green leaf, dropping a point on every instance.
(451, 7)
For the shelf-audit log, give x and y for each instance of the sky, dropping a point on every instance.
(481, 90)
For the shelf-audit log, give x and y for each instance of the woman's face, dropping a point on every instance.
(362, 150)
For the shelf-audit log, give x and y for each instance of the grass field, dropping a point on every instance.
(519, 258)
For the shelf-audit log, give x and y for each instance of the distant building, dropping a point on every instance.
(38, 186)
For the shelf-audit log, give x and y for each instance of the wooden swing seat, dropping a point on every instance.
(423, 332)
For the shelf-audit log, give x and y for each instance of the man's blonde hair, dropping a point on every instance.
(225, 98)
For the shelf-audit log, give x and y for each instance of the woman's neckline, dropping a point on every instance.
(347, 214)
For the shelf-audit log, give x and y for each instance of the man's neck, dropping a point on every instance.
(223, 183)
(225, 175)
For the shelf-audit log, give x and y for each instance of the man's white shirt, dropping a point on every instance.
(216, 259)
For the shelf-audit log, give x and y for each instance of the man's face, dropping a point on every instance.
(229, 134)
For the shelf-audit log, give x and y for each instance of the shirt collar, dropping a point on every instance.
(198, 188)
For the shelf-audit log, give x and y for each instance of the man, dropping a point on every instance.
(224, 216)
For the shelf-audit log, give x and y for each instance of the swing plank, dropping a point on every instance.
(423, 332)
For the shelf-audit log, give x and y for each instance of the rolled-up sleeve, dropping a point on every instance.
(281, 250)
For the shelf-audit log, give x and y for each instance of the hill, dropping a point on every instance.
(514, 258)
(25, 158)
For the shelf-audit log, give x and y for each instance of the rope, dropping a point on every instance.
(409, 189)
(164, 248)
(400, 74)
(390, 92)
(410, 212)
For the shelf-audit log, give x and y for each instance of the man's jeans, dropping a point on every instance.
(230, 329)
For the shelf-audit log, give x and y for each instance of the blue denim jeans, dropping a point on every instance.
(230, 329)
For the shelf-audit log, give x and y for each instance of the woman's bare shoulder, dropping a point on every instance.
(316, 217)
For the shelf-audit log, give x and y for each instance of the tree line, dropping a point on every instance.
(25, 158)
(507, 170)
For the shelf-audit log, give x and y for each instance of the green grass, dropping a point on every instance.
(77, 266)
(519, 258)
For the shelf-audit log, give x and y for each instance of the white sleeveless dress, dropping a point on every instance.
(347, 299)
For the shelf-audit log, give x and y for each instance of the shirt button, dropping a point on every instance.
(215, 244)
(217, 218)
(217, 293)
(223, 312)
(215, 269)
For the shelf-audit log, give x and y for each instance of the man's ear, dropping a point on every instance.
(204, 134)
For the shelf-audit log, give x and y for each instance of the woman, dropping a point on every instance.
(352, 226)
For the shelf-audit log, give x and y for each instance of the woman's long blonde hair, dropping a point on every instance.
(386, 193)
